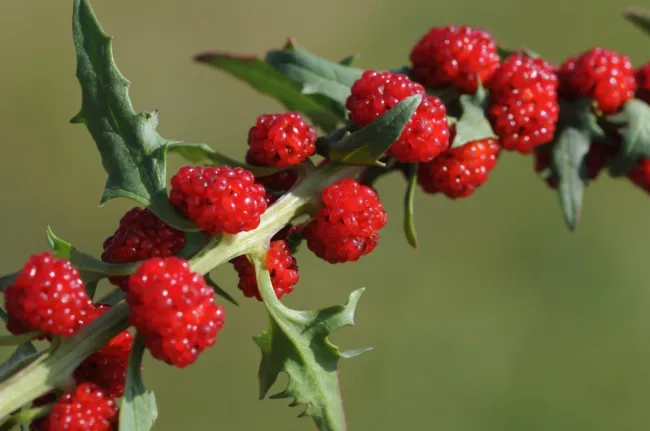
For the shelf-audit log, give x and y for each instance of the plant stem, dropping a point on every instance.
(54, 369)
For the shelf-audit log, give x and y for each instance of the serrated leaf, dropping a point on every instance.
(639, 17)
(409, 210)
(314, 74)
(90, 268)
(138, 411)
(296, 343)
(132, 152)
(219, 291)
(203, 153)
(267, 80)
(473, 124)
(635, 136)
(366, 146)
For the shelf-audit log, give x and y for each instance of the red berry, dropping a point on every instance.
(643, 82)
(346, 227)
(88, 408)
(595, 161)
(47, 296)
(426, 134)
(107, 367)
(604, 76)
(281, 265)
(460, 171)
(219, 199)
(640, 174)
(281, 140)
(524, 104)
(455, 56)
(174, 309)
(140, 236)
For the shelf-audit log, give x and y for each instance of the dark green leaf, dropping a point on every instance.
(473, 124)
(639, 17)
(314, 74)
(366, 146)
(6, 280)
(19, 359)
(296, 343)
(267, 80)
(219, 291)
(349, 60)
(132, 152)
(90, 268)
(138, 411)
(409, 198)
(505, 52)
(202, 153)
(24, 417)
(91, 288)
(634, 120)
(12, 340)
(113, 298)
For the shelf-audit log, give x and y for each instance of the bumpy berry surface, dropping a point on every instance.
(345, 228)
(219, 199)
(454, 56)
(460, 171)
(643, 82)
(601, 75)
(524, 106)
(107, 367)
(282, 268)
(426, 134)
(88, 408)
(140, 236)
(48, 296)
(640, 174)
(595, 162)
(174, 309)
(281, 140)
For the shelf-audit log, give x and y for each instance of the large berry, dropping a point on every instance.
(604, 76)
(459, 171)
(345, 228)
(524, 103)
(219, 199)
(174, 309)
(107, 367)
(640, 174)
(140, 236)
(281, 140)
(47, 296)
(426, 134)
(595, 162)
(88, 408)
(643, 82)
(455, 56)
(282, 268)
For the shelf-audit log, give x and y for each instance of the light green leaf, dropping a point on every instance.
(12, 340)
(24, 417)
(473, 124)
(132, 152)
(409, 210)
(296, 343)
(634, 122)
(138, 411)
(203, 153)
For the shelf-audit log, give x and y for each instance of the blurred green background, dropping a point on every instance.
(503, 320)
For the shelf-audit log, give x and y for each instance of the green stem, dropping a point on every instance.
(54, 369)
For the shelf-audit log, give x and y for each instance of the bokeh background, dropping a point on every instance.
(503, 320)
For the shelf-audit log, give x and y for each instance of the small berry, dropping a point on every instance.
(426, 134)
(595, 162)
(455, 56)
(281, 140)
(640, 174)
(47, 296)
(281, 265)
(460, 171)
(88, 408)
(140, 236)
(604, 76)
(107, 367)
(346, 226)
(524, 106)
(643, 82)
(174, 309)
(219, 199)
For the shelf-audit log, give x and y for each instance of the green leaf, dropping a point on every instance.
(267, 80)
(113, 298)
(12, 340)
(409, 198)
(90, 268)
(349, 60)
(296, 343)
(505, 52)
(219, 291)
(132, 152)
(203, 153)
(26, 416)
(639, 17)
(366, 146)
(314, 74)
(6, 280)
(473, 124)
(138, 411)
(91, 288)
(634, 120)
(24, 355)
